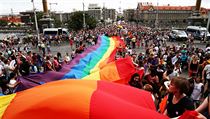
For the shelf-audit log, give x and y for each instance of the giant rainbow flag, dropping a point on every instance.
(96, 63)
(79, 99)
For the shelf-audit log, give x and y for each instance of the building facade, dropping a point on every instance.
(95, 11)
(162, 16)
(129, 14)
(109, 15)
(26, 17)
(15, 19)
(63, 17)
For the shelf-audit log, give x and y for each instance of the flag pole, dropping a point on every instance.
(84, 25)
(35, 18)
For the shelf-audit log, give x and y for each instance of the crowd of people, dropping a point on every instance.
(161, 64)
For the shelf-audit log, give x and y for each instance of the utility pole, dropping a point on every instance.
(51, 7)
(12, 13)
(35, 18)
(84, 25)
(104, 14)
(61, 19)
(120, 7)
(207, 28)
(156, 21)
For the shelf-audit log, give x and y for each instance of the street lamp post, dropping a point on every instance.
(61, 19)
(156, 21)
(207, 27)
(35, 18)
(84, 25)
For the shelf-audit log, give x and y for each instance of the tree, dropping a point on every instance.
(58, 23)
(3, 23)
(90, 21)
(120, 18)
(38, 16)
(76, 21)
(12, 24)
(132, 19)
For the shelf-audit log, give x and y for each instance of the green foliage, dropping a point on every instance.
(3, 23)
(12, 24)
(38, 16)
(91, 22)
(57, 23)
(120, 18)
(76, 21)
(132, 20)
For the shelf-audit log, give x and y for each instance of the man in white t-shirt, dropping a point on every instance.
(197, 91)
(175, 59)
(206, 72)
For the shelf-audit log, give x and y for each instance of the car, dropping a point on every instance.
(178, 35)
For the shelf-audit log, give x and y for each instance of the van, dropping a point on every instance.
(198, 32)
(47, 32)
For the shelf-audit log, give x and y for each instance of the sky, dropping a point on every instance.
(7, 6)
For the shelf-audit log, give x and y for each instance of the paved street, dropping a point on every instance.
(64, 47)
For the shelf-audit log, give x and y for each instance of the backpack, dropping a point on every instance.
(184, 58)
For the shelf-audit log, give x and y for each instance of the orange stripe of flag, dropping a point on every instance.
(52, 101)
